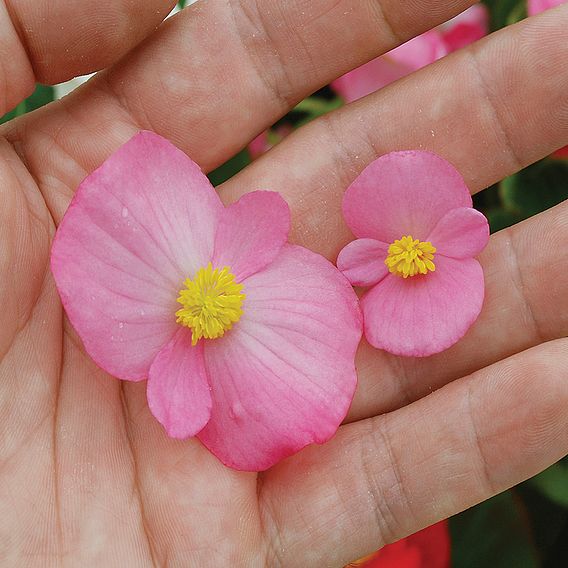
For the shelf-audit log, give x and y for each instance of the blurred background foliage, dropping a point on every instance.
(526, 527)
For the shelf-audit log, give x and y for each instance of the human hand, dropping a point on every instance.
(88, 477)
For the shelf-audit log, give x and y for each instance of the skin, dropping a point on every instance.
(87, 476)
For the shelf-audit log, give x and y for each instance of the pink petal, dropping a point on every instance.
(460, 233)
(178, 391)
(403, 193)
(469, 26)
(136, 228)
(284, 376)
(362, 262)
(251, 233)
(388, 68)
(537, 6)
(423, 315)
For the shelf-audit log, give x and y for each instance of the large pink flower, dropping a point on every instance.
(417, 236)
(247, 342)
(462, 30)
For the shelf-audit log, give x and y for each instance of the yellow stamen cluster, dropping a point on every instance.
(212, 303)
(409, 257)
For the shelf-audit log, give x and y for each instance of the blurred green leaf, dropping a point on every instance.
(42, 95)
(518, 13)
(536, 188)
(505, 12)
(315, 106)
(553, 483)
(549, 525)
(21, 109)
(229, 168)
(493, 534)
(500, 219)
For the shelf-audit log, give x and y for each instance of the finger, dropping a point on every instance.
(343, 144)
(384, 478)
(51, 41)
(489, 109)
(25, 231)
(318, 222)
(525, 305)
(186, 491)
(216, 75)
(15, 65)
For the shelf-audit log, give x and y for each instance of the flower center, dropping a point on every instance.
(212, 303)
(409, 257)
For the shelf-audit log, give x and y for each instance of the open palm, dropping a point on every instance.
(87, 476)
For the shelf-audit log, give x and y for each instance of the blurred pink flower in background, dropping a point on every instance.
(429, 548)
(537, 6)
(268, 139)
(414, 250)
(462, 30)
(562, 153)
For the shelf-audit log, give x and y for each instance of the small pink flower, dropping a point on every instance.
(246, 341)
(417, 234)
(424, 49)
(537, 6)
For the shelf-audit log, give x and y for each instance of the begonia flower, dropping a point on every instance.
(417, 234)
(247, 341)
(420, 51)
(428, 548)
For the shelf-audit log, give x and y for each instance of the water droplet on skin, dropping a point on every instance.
(124, 212)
